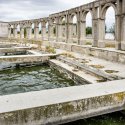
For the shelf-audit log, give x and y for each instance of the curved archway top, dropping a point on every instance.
(105, 8)
(62, 18)
(84, 14)
(71, 16)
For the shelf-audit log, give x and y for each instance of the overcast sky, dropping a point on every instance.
(11, 10)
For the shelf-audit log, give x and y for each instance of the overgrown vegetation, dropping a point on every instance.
(97, 66)
(111, 71)
(70, 55)
(50, 49)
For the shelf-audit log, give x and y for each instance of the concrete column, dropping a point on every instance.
(78, 28)
(29, 31)
(118, 27)
(60, 32)
(123, 26)
(70, 32)
(101, 33)
(36, 31)
(43, 32)
(22, 33)
(9, 32)
(15, 32)
(95, 28)
(57, 26)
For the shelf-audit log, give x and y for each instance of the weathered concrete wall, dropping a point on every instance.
(62, 105)
(3, 29)
(103, 53)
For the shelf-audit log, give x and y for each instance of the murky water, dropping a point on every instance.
(109, 119)
(31, 79)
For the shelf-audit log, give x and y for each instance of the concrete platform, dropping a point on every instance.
(62, 105)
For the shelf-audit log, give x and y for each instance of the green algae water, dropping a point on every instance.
(109, 119)
(25, 79)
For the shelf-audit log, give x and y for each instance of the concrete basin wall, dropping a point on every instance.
(22, 59)
(103, 53)
(62, 105)
(14, 49)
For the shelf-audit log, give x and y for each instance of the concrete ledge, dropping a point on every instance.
(26, 58)
(62, 105)
(14, 49)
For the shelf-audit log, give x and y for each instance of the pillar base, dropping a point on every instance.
(101, 44)
(95, 43)
(118, 45)
(82, 42)
(122, 45)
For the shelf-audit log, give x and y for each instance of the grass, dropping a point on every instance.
(110, 45)
(50, 49)
(97, 66)
(70, 55)
(88, 43)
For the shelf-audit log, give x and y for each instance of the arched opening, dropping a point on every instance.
(47, 29)
(54, 28)
(12, 31)
(25, 32)
(32, 30)
(18, 31)
(74, 26)
(40, 29)
(89, 25)
(110, 24)
(63, 27)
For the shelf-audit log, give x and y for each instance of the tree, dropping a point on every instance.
(88, 30)
(112, 29)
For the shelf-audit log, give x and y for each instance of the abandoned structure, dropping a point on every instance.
(66, 31)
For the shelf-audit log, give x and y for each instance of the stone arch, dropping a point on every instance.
(88, 26)
(84, 14)
(105, 8)
(103, 17)
(62, 27)
(74, 22)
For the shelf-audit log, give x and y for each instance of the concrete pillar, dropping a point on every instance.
(123, 26)
(101, 33)
(118, 27)
(9, 32)
(43, 32)
(70, 32)
(118, 32)
(15, 32)
(78, 28)
(29, 31)
(36, 31)
(60, 32)
(22, 33)
(95, 28)
(57, 26)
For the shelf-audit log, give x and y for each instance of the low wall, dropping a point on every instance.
(3, 29)
(62, 105)
(103, 53)
(22, 59)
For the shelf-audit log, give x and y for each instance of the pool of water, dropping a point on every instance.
(110, 119)
(25, 79)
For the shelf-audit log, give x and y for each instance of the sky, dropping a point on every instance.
(13, 10)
